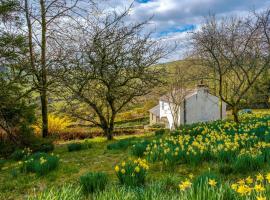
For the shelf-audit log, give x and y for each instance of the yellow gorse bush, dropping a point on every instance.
(56, 124)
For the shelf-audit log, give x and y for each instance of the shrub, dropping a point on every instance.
(92, 182)
(7, 148)
(41, 145)
(120, 144)
(56, 124)
(175, 132)
(74, 147)
(20, 154)
(160, 132)
(248, 163)
(19, 117)
(2, 162)
(139, 148)
(46, 148)
(158, 125)
(132, 173)
(40, 163)
(79, 146)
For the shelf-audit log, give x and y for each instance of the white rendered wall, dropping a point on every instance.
(203, 107)
(166, 112)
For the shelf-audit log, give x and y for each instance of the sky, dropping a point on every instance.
(173, 20)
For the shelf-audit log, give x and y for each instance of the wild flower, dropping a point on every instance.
(185, 185)
(212, 182)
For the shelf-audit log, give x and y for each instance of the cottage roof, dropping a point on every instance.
(187, 92)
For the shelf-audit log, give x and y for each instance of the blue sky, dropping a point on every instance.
(172, 20)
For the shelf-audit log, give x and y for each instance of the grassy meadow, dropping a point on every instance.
(218, 160)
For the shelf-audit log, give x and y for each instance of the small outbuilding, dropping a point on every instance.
(198, 106)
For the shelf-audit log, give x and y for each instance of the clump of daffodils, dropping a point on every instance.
(132, 172)
(248, 186)
(184, 185)
(211, 141)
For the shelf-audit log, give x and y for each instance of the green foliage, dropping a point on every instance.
(158, 125)
(132, 173)
(67, 192)
(160, 132)
(20, 154)
(7, 7)
(40, 163)
(204, 178)
(7, 148)
(120, 144)
(248, 163)
(14, 173)
(226, 156)
(79, 146)
(19, 116)
(225, 169)
(74, 147)
(2, 162)
(46, 147)
(93, 182)
(170, 182)
(139, 148)
(87, 144)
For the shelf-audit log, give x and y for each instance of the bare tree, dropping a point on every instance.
(43, 21)
(237, 51)
(178, 87)
(108, 65)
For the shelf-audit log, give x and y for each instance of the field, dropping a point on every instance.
(219, 160)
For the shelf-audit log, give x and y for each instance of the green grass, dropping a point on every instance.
(72, 165)
(75, 164)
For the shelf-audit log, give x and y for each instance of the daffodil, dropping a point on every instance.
(249, 180)
(259, 177)
(234, 186)
(185, 185)
(268, 177)
(260, 198)
(212, 182)
(259, 188)
(116, 168)
(137, 169)
(244, 190)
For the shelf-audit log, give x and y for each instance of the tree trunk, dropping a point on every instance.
(43, 96)
(220, 108)
(109, 133)
(235, 114)
(44, 109)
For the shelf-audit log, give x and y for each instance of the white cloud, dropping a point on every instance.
(169, 14)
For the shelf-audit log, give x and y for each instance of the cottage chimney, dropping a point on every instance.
(201, 87)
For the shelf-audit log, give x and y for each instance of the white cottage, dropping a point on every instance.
(198, 106)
